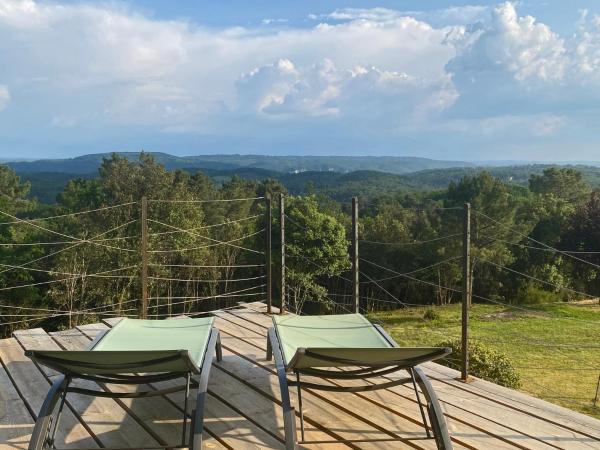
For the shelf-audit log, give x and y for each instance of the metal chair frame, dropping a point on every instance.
(416, 377)
(46, 425)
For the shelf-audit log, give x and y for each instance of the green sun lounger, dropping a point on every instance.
(348, 347)
(134, 352)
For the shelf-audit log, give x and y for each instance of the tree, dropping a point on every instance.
(496, 212)
(316, 249)
(14, 202)
(563, 183)
(583, 235)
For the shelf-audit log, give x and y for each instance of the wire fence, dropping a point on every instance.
(190, 257)
(72, 268)
(552, 345)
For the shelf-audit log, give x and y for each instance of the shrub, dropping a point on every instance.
(431, 314)
(484, 362)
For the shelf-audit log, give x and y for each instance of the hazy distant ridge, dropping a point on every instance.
(393, 164)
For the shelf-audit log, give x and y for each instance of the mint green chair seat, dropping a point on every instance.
(147, 346)
(342, 340)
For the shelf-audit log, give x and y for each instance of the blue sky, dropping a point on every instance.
(439, 79)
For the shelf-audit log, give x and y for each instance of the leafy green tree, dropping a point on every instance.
(583, 235)
(14, 202)
(555, 196)
(316, 249)
(563, 183)
(497, 210)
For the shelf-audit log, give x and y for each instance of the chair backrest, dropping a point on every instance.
(115, 362)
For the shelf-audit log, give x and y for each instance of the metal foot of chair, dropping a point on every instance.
(42, 437)
(436, 415)
(269, 349)
(289, 413)
(197, 423)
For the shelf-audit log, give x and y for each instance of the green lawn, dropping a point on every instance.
(548, 347)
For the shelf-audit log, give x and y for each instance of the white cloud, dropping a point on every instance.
(273, 21)
(478, 71)
(361, 96)
(4, 97)
(114, 67)
(371, 14)
(586, 60)
(454, 15)
(518, 47)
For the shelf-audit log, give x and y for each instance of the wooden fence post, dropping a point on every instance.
(466, 291)
(282, 239)
(144, 256)
(355, 271)
(269, 222)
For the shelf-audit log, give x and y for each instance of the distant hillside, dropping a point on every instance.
(338, 185)
(516, 174)
(286, 164)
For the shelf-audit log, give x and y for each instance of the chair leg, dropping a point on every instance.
(185, 409)
(197, 425)
(436, 415)
(269, 349)
(300, 406)
(218, 348)
(421, 408)
(289, 414)
(40, 436)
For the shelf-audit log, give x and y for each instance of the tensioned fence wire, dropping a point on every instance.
(568, 361)
(15, 314)
(181, 279)
(10, 307)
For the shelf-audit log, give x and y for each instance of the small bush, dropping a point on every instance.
(484, 362)
(431, 314)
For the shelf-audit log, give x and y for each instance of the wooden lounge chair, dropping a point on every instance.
(133, 352)
(348, 347)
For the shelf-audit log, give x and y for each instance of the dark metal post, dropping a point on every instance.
(597, 388)
(466, 291)
(144, 256)
(269, 222)
(282, 239)
(355, 273)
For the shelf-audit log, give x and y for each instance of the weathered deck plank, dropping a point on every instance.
(34, 386)
(16, 423)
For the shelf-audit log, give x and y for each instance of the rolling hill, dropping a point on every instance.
(340, 177)
(393, 164)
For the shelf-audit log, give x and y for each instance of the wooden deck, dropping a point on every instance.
(243, 408)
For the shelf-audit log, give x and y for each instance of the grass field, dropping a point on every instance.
(555, 349)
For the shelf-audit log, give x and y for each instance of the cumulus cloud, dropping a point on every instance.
(360, 97)
(475, 70)
(517, 47)
(454, 15)
(120, 67)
